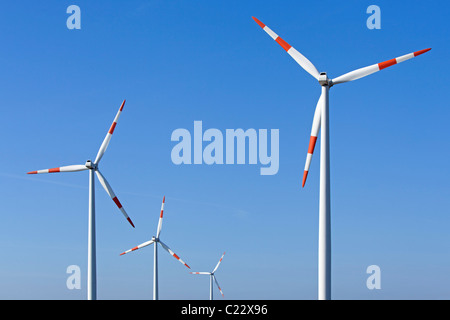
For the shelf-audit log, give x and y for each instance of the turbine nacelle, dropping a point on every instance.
(90, 165)
(324, 81)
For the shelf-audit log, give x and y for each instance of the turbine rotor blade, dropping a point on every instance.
(73, 168)
(107, 139)
(217, 266)
(158, 231)
(172, 253)
(200, 272)
(362, 72)
(113, 196)
(138, 247)
(217, 283)
(312, 141)
(297, 56)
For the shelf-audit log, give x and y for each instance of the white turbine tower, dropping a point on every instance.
(93, 167)
(157, 240)
(321, 121)
(211, 278)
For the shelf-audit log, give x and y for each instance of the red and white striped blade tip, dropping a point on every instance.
(365, 71)
(388, 63)
(44, 171)
(108, 136)
(178, 258)
(262, 25)
(52, 170)
(132, 249)
(131, 222)
(71, 168)
(158, 230)
(418, 53)
(305, 175)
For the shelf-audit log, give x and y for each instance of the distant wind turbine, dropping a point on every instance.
(321, 121)
(211, 278)
(93, 167)
(157, 240)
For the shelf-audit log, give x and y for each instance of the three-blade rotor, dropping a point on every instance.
(94, 166)
(212, 273)
(157, 240)
(350, 76)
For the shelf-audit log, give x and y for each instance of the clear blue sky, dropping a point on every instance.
(180, 61)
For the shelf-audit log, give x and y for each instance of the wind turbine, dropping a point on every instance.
(156, 240)
(321, 120)
(211, 278)
(93, 167)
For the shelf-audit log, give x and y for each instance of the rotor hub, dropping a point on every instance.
(89, 164)
(324, 81)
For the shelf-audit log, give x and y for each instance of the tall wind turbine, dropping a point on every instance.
(211, 278)
(321, 121)
(93, 167)
(156, 240)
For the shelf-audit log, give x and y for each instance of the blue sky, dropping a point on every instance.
(181, 61)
